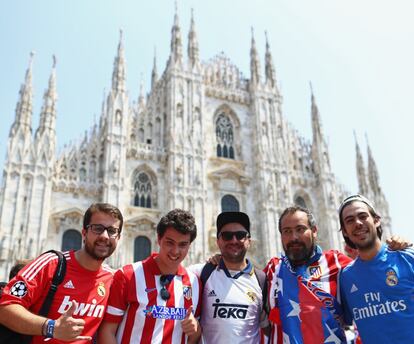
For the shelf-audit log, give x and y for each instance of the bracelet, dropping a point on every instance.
(50, 328)
(44, 327)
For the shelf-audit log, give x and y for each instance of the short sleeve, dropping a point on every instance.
(31, 284)
(117, 302)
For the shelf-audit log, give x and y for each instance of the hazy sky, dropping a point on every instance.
(358, 55)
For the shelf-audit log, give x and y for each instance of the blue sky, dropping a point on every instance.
(358, 55)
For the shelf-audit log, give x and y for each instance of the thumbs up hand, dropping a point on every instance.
(68, 328)
(190, 326)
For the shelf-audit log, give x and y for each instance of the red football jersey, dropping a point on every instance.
(143, 316)
(89, 288)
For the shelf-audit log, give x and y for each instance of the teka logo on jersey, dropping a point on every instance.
(229, 310)
(83, 309)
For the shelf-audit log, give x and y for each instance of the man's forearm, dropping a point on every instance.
(194, 338)
(107, 333)
(19, 319)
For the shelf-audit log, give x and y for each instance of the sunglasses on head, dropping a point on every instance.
(240, 235)
(164, 281)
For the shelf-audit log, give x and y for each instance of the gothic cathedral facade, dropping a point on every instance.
(205, 138)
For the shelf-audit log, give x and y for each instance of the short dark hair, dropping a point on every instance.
(293, 209)
(349, 200)
(181, 220)
(20, 264)
(103, 208)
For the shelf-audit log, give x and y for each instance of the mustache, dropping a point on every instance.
(295, 243)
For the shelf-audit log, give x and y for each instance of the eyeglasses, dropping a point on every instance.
(99, 229)
(164, 281)
(240, 235)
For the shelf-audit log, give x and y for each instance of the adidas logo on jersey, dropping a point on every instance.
(354, 288)
(69, 285)
(211, 293)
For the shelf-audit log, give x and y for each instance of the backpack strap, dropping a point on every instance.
(57, 279)
(261, 278)
(206, 272)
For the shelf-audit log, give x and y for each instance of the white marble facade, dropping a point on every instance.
(204, 137)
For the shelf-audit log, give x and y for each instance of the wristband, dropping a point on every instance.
(50, 328)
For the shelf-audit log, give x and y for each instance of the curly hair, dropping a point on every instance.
(181, 220)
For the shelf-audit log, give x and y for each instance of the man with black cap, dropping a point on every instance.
(377, 288)
(233, 297)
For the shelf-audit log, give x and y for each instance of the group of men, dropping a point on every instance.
(306, 296)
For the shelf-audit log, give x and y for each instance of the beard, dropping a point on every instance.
(93, 251)
(298, 253)
(234, 257)
(366, 246)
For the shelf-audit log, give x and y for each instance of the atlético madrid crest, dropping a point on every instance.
(187, 292)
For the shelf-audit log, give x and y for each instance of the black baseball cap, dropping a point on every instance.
(233, 217)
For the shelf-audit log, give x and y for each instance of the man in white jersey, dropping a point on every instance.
(152, 301)
(232, 298)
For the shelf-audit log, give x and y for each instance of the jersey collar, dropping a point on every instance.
(247, 270)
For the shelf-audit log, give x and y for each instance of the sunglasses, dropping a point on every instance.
(165, 281)
(98, 229)
(240, 235)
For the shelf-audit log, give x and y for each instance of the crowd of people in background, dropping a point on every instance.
(305, 296)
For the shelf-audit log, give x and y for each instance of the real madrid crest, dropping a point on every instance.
(391, 279)
(101, 289)
(251, 295)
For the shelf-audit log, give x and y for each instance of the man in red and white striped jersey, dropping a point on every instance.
(79, 303)
(153, 301)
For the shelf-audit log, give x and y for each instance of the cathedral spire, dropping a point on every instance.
(360, 166)
(48, 112)
(154, 74)
(319, 145)
(254, 62)
(24, 107)
(373, 175)
(269, 68)
(141, 97)
(316, 121)
(176, 54)
(193, 52)
(118, 75)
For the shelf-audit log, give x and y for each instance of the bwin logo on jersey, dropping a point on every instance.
(229, 310)
(83, 309)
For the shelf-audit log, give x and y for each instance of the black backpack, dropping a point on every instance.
(8, 336)
(260, 275)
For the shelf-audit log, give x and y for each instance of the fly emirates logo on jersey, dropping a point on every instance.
(376, 307)
(83, 309)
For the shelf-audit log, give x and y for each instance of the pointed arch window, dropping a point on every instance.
(229, 203)
(225, 137)
(142, 248)
(142, 191)
(300, 202)
(71, 240)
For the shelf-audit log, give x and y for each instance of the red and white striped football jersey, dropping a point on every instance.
(136, 304)
(89, 288)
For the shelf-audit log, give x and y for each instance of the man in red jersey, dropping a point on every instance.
(79, 303)
(152, 301)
